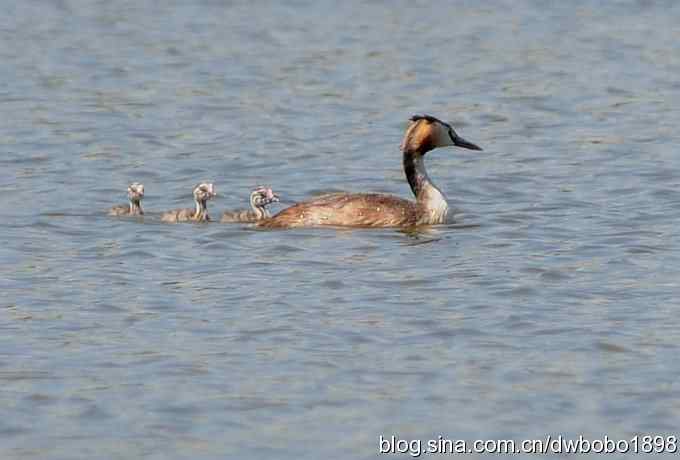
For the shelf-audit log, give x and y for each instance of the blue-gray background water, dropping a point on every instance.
(549, 306)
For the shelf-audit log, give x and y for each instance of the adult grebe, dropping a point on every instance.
(135, 193)
(259, 199)
(202, 193)
(423, 134)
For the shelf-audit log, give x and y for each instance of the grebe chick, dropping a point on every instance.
(260, 198)
(202, 193)
(135, 193)
(423, 134)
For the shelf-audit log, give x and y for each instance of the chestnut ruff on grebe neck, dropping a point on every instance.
(423, 134)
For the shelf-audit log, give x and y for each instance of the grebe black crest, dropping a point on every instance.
(423, 134)
(135, 192)
(260, 198)
(202, 193)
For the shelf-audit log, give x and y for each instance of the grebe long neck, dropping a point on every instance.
(258, 207)
(261, 211)
(427, 194)
(254, 204)
(201, 210)
(416, 174)
(136, 208)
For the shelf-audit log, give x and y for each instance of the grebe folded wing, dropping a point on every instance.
(347, 209)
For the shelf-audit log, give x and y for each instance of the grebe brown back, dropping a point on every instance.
(135, 192)
(423, 134)
(202, 193)
(260, 198)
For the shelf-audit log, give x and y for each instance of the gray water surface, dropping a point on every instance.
(548, 306)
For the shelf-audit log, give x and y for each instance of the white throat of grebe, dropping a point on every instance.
(429, 194)
(202, 193)
(135, 195)
(428, 133)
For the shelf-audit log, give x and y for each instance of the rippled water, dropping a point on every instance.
(550, 306)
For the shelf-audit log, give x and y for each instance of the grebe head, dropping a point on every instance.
(135, 191)
(426, 133)
(271, 196)
(262, 196)
(204, 192)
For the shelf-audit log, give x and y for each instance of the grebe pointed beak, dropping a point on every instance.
(460, 142)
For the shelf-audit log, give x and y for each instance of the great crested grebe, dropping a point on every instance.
(135, 193)
(423, 134)
(202, 193)
(260, 198)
